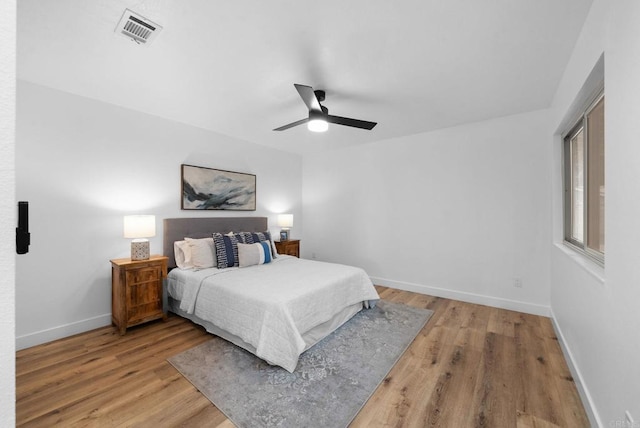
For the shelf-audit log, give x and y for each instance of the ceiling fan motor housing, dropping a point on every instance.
(320, 115)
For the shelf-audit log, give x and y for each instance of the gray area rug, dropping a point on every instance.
(332, 382)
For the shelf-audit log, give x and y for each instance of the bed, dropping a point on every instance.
(275, 310)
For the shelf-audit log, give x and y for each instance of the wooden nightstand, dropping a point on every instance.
(290, 247)
(136, 291)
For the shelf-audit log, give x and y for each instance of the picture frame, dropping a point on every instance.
(284, 235)
(205, 188)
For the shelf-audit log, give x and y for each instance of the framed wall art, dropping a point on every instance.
(216, 189)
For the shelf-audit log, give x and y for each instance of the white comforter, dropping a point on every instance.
(270, 306)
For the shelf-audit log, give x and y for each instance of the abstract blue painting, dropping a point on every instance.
(215, 189)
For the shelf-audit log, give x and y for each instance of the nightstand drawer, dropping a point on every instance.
(135, 276)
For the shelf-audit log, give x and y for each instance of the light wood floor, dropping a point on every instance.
(470, 366)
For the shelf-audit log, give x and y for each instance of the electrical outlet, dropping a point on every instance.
(313, 256)
(517, 282)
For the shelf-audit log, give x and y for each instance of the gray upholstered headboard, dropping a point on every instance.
(176, 229)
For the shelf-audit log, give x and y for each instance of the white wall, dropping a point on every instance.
(82, 165)
(7, 210)
(596, 310)
(460, 213)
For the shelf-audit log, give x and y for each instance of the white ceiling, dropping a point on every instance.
(229, 66)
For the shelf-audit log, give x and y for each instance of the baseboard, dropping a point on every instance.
(496, 302)
(59, 332)
(587, 401)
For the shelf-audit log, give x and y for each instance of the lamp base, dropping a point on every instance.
(140, 249)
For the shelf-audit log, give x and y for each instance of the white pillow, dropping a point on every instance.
(182, 252)
(202, 252)
(254, 254)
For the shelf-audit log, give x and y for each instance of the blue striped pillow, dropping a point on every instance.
(226, 250)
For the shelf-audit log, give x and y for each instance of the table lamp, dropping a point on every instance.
(285, 221)
(139, 227)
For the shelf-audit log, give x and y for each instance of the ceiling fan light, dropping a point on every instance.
(318, 125)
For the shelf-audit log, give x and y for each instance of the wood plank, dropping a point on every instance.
(567, 390)
(502, 322)
(539, 394)
(473, 329)
(455, 386)
(494, 403)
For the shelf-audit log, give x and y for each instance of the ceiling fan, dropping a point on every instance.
(319, 117)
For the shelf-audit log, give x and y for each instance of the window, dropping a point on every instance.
(584, 189)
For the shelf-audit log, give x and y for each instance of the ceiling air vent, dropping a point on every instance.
(137, 28)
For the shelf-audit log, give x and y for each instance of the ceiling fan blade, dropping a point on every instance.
(363, 124)
(309, 97)
(291, 125)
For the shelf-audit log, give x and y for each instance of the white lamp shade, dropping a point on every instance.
(139, 226)
(285, 220)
